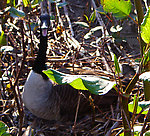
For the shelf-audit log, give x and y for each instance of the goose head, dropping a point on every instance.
(45, 23)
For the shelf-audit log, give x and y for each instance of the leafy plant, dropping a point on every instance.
(95, 84)
(2, 39)
(3, 129)
(142, 108)
(145, 28)
(119, 8)
(90, 20)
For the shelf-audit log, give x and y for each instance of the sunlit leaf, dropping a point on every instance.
(3, 129)
(145, 76)
(135, 104)
(145, 27)
(93, 17)
(2, 39)
(83, 24)
(131, 108)
(119, 8)
(95, 84)
(26, 2)
(87, 19)
(11, 3)
(146, 58)
(137, 130)
(147, 133)
(8, 1)
(141, 105)
(117, 68)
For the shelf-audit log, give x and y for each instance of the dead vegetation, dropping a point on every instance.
(73, 49)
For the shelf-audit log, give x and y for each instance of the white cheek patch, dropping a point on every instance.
(44, 32)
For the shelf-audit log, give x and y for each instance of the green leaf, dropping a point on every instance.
(2, 39)
(11, 3)
(145, 76)
(147, 133)
(61, 4)
(3, 129)
(87, 19)
(8, 1)
(146, 57)
(135, 103)
(131, 108)
(26, 2)
(96, 85)
(119, 8)
(100, 10)
(141, 105)
(144, 104)
(122, 134)
(117, 68)
(137, 130)
(93, 17)
(145, 27)
(83, 24)
(16, 12)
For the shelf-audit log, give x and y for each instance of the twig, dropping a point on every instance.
(30, 33)
(77, 109)
(49, 7)
(145, 122)
(126, 119)
(99, 19)
(68, 19)
(18, 99)
(115, 125)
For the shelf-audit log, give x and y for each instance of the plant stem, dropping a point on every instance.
(140, 15)
(145, 122)
(125, 116)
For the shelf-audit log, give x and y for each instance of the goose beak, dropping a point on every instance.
(45, 23)
(44, 28)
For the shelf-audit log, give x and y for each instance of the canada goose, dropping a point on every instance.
(44, 99)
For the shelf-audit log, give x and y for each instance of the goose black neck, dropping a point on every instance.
(39, 63)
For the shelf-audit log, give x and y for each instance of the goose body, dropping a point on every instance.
(51, 102)
(38, 95)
